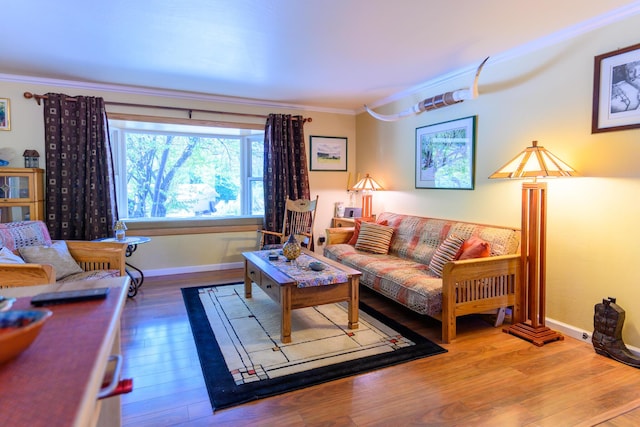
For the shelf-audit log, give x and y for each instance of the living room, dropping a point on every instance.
(542, 92)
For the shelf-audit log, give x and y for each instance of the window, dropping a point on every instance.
(170, 171)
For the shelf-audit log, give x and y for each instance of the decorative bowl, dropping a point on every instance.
(317, 266)
(18, 329)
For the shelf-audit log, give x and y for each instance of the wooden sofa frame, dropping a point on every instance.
(468, 287)
(89, 255)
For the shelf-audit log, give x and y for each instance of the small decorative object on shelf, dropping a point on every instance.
(291, 249)
(120, 229)
(31, 158)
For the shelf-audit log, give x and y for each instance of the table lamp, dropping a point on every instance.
(367, 185)
(529, 315)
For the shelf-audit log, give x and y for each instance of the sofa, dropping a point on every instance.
(436, 267)
(28, 256)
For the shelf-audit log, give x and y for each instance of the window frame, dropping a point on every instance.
(195, 224)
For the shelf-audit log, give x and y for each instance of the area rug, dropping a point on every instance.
(243, 359)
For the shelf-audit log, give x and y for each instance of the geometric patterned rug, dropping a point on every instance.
(243, 359)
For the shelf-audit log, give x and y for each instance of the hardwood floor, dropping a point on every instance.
(486, 378)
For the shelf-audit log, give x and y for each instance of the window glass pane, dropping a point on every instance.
(257, 198)
(182, 176)
(257, 158)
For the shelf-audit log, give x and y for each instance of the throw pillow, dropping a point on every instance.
(14, 235)
(374, 238)
(56, 255)
(8, 257)
(356, 230)
(475, 247)
(449, 250)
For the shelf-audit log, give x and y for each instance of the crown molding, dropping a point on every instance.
(555, 38)
(550, 40)
(192, 96)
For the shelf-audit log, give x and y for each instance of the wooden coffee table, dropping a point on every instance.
(285, 290)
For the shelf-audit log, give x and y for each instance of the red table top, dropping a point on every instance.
(45, 385)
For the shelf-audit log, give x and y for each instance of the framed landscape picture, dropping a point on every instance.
(616, 90)
(328, 153)
(445, 155)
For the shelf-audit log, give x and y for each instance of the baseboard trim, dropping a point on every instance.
(579, 334)
(193, 269)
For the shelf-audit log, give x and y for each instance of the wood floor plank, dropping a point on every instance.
(487, 377)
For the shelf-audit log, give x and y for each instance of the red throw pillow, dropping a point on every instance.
(356, 231)
(475, 247)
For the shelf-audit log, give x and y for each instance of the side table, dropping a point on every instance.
(343, 222)
(137, 276)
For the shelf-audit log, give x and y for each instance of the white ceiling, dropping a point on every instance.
(328, 54)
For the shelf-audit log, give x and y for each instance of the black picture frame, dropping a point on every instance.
(328, 153)
(616, 90)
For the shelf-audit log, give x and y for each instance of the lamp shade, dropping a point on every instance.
(367, 183)
(534, 162)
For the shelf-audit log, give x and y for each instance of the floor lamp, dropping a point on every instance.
(367, 185)
(529, 317)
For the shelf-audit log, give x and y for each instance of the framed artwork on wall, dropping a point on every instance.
(616, 90)
(445, 155)
(328, 153)
(5, 114)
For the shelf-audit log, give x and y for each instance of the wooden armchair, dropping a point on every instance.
(91, 256)
(299, 217)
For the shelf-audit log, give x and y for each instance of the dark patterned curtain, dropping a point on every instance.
(79, 168)
(285, 167)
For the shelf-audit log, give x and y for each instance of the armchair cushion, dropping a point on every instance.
(14, 235)
(90, 275)
(57, 255)
(8, 257)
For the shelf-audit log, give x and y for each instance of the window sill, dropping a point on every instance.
(173, 227)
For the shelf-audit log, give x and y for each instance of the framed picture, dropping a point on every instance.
(328, 153)
(445, 155)
(5, 114)
(616, 90)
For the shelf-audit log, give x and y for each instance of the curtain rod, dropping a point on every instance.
(39, 98)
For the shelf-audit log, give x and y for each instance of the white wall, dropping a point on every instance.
(546, 96)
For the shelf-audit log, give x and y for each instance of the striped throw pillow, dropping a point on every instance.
(448, 250)
(374, 238)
